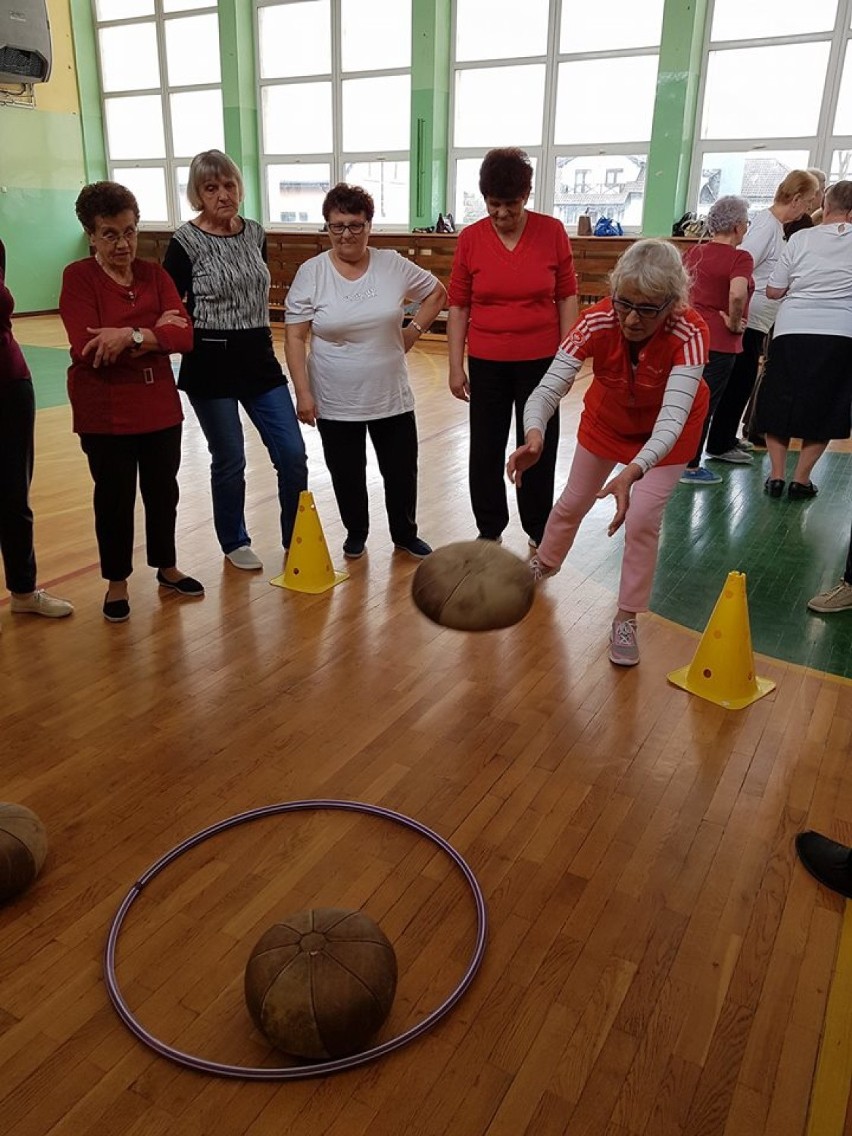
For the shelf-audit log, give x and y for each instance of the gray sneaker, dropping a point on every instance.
(836, 599)
(623, 644)
(736, 456)
(540, 571)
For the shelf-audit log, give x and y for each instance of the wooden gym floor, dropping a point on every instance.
(658, 963)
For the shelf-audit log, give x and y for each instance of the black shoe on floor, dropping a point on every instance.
(116, 611)
(353, 547)
(798, 492)
(186, 586)
(827, 861)
(415, 547)
(774, 486)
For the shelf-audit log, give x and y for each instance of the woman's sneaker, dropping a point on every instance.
(539, 570)
(838, 598)
(700, 476)
(623, 645)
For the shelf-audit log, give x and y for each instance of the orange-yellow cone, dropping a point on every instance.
(309, 568)
(723, 668)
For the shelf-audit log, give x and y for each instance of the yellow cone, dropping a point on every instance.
(309, 568)
(723, 668)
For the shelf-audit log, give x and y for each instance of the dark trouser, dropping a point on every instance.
(114, 461)
(496, 390)
(847, 575)
(726, 421)
(716, 374)
(17, 426)
(344, 445)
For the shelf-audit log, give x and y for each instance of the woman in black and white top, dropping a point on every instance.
(218, 262)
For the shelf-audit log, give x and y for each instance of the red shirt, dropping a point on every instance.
(13, 365)
(623, 401)
(137, 393)
(512, 294)
(713, 266)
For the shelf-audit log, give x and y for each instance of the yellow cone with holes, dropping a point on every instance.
(723, 668)
(309, 568)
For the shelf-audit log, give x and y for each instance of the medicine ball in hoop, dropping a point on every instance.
(474, 585)
(320, 983)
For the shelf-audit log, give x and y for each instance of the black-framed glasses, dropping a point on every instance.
(643, 311)
(356, 228)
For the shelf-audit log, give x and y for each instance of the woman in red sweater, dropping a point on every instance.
(17, 433)
(513, 298)
(124, 317)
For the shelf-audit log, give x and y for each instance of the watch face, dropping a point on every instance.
(137, 337)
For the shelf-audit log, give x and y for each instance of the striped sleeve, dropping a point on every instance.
(678, 398)
(560, 375)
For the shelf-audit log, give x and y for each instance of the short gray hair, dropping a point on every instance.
(838, 199)
(655, 270)
(726, 213)
(206, 165)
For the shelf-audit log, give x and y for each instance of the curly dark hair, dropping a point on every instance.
(348, 199)
(103, 199)
(506, 174)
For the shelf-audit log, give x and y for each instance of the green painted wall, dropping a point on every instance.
(236, 49)
(430, 97)
(41, 172)
(674, 125)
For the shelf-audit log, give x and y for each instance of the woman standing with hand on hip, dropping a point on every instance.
(513, 298)
(218, 262)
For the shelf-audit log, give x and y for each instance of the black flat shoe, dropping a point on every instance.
(798, 492)
(185, 587)
(827, 861)
(774, 486)
(116, 611)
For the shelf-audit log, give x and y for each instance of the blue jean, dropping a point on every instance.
(275, 418)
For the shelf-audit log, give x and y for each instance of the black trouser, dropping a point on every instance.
(17, 426)
(847, 575)
(114, 461)
(724, 429)
(496, 390)
(717, 371)
(344, 445)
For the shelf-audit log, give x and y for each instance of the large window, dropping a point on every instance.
(162, 100)
(576, 92)
(776, 96)
(335, 104)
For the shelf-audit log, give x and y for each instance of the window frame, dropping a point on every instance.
(170, 163)
(337, 158)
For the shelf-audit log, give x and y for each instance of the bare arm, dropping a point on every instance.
(737, 295)
(457, 322)
(568, 309)
(425, 316)
(296, 354)
(775, 293)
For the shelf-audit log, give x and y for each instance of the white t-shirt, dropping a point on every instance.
(356, 364)
(816, 268)
(764, 240)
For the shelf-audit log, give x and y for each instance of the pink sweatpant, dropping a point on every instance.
(648, 499)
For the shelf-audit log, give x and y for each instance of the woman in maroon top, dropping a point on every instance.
(722, 286)
(513, 299)
(124, 317)
(17, 432)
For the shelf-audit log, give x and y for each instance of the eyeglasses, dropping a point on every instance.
(338, 228)
(643, 311)
(112, 237)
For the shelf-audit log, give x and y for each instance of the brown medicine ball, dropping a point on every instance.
(474, 585)
(319, 984)
(23, 847)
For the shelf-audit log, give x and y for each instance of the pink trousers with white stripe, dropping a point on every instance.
(648, 499)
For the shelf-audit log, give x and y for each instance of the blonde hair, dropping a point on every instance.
(797, 183)
(655, 270)
(206, 165)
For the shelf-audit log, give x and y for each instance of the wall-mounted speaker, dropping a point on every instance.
(25, 53)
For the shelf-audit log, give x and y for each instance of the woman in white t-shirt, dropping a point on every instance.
(354, 381)
(764, 240)
(807, 387)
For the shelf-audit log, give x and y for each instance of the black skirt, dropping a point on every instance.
(806, 389)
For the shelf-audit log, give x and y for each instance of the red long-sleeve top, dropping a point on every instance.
(137, 393)
(13, 365)
(512, 294)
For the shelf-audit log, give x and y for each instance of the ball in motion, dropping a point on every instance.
(474, 585)
(320, 983)
(23, 847)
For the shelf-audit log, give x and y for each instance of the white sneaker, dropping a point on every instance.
(540, 571)
(623, 645)
(735, 456)
(41, 603)
(243, 557)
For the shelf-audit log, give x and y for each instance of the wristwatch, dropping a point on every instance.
(136, 337)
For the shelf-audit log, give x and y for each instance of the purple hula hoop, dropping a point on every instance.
(315, 1069)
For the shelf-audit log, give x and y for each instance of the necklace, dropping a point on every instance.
(128, 284)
